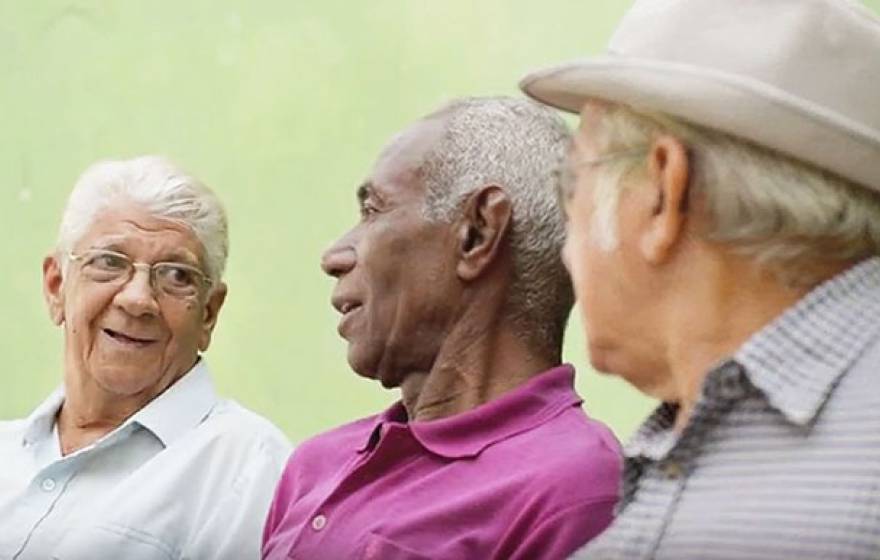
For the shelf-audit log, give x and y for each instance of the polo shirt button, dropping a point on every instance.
(319, 522)
(48, 484)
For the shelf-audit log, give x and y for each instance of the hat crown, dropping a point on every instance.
(838, 42)
(801, 77)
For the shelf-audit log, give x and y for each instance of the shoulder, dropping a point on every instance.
(11, 434)
(334, 443)
(243, 442)
(579, 441)
(572, 459)
(318, 459)
(12, 427)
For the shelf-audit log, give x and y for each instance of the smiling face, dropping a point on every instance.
(396, 277)
(129, 339)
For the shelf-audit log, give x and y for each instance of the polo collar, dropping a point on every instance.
(181, 407)
(797, 360)
(466, 435)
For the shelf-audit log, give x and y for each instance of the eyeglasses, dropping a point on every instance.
(611, 156)
(177, 280)
(568, 180)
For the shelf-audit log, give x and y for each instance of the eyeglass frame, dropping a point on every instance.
(204, 280)
(567, 184)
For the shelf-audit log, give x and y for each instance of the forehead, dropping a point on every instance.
(400, 159)
(133, 229)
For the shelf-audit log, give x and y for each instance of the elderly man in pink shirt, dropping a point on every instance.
(451, 289)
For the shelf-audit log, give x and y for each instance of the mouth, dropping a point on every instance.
(128, 339)
(348, 307)
(344, 305)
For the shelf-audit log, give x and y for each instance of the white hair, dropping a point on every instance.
(785, 214)
(160, 187)
(519, 146)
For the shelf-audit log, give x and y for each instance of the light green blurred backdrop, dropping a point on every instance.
(281, 106)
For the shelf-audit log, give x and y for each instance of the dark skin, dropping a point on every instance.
(423, 301)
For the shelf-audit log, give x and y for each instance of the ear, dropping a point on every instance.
(53, 288)
(484, 223)
(210, 313)
(669, 170)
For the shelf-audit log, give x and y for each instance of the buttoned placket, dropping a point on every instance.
(667, 472)
(52, 478)
(368, 465)
(44, 490)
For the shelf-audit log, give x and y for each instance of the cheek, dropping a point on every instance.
(83, 305)
(575, 254)
(185, 324)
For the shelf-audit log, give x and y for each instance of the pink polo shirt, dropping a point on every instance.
(525, 476)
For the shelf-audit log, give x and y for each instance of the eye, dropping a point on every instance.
(177, 276)
(108, 262)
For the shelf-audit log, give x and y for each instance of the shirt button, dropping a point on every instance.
(671, 470)
(319, 522)
(48, 484)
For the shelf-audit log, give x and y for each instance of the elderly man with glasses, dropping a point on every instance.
(724, 243)
(135, 456)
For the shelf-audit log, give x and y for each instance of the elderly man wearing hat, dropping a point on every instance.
(724, 233)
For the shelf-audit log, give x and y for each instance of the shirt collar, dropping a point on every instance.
(181, 407)
(466, 435)
(38, 425)
(796, 360)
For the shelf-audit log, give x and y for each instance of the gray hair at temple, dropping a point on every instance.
(519, 146)
(785, 214)
(160, 187)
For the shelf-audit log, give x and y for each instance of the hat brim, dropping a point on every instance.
(742, 107)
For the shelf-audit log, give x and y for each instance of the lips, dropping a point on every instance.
(128, 338)
(348, 307)
(344, 304)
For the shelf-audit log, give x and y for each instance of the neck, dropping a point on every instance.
(89, 411)
(473, 367)
(714, 317)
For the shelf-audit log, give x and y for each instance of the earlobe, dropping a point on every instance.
(485, 221)
(53, 289)
(669, 169)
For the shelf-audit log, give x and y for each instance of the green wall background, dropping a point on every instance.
(281, 106)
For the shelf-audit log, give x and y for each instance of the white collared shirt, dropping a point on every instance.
(189, 476)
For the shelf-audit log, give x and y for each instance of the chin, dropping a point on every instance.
(368, 368)
(359, 364)
(601, 358)
(124, 383)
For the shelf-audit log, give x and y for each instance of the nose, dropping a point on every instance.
(339, 259)
(137, 297)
